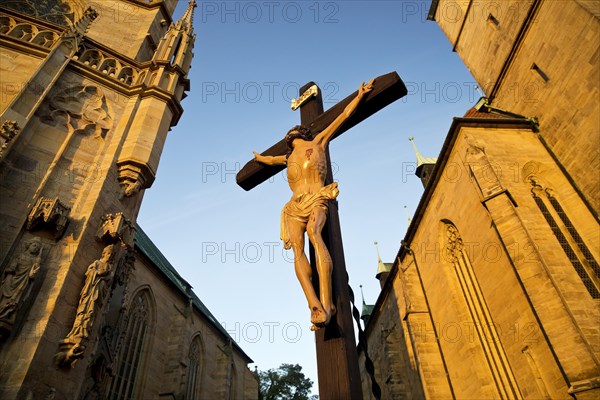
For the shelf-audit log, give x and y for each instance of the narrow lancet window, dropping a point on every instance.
(136, 328)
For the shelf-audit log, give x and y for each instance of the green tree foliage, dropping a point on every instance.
(284, 383)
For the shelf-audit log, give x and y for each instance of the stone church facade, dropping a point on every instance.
(89, 307)
(495, 292)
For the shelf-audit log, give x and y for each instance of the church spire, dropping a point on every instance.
(186, 22)
(377, 250)
(176, 46)
(407, 216)
(367, 309)
(363, 295)
(424, 165)
(383, 269)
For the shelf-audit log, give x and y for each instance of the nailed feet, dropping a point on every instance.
(319, 317)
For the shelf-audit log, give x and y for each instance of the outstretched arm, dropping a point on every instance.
(270, 160)
(325, 136)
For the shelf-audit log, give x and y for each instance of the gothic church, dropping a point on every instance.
(495, 291)
(89, 307)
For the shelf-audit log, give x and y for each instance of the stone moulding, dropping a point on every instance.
(49, 214)
(584, 385)
(116, 68)
(27, 32)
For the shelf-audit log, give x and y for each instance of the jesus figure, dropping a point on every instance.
(306, 162)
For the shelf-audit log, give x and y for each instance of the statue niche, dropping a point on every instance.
(98, 282)
(16, 281)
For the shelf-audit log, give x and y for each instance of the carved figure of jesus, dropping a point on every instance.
(306, 162)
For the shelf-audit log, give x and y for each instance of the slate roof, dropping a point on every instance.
(147, 248)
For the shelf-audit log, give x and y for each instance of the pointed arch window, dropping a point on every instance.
(130, 356)
(176, 52)
(194, 369)
(580, 256)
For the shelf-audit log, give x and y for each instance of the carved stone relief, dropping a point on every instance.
(15, 282)
(482, 170)
(8, 131)
(79, 108)
(49, 214)
(102, 276)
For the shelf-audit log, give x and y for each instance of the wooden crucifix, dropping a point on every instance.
(313, 209)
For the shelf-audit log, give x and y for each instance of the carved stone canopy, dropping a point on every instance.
(114, 228)
(49, 214)
(8, 131)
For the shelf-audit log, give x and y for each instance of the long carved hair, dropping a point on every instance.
(297, 132)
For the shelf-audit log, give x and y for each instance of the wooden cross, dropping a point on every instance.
(337, 358)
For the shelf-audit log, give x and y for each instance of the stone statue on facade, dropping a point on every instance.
(98, 282)
(16, 280)
(306, 162)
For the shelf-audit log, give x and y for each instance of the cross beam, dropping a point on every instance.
(387, 89)
(337, 358)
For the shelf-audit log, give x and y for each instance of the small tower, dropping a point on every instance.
(175, 48)
(367, 309)
(424, 165)
(383, 269)
(166, 82)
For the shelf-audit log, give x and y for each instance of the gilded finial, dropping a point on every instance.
(420, 159)
(377, 250)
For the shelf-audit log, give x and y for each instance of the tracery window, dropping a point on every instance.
(58, 12)
(570, 241)
(130, 355)
(194, 369)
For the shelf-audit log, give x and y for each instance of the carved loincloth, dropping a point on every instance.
(300, 208)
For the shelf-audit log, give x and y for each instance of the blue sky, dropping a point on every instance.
(250, 59)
